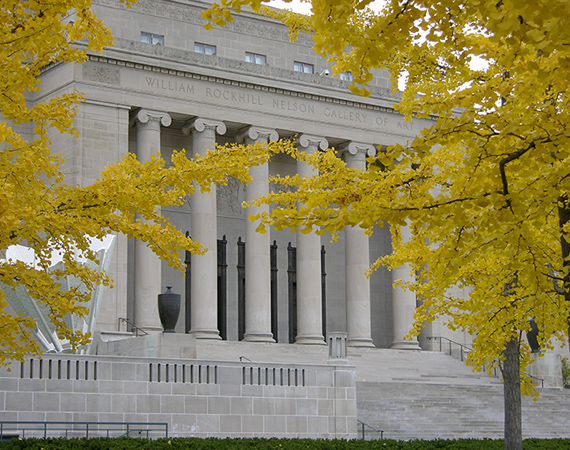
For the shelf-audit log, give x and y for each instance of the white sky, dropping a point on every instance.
(295, 5)
(305, 8)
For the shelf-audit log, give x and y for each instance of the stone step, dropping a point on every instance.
(405, 366)
(430, 411)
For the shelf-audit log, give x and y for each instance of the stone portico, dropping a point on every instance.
(144, 98)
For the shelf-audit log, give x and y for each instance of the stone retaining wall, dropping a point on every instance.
(196, 398)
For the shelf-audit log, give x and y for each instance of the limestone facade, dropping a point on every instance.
(145, 98)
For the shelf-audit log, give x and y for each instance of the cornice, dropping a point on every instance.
(156, 69)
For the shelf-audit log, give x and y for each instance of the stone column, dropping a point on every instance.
(257, 262)
(403, 306)
(204, 271)
(357, 257)
(309, 294)
(147, 283)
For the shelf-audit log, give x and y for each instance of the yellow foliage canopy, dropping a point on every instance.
(482, 189)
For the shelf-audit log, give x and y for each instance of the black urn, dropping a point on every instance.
(169, 310)
(532, 336)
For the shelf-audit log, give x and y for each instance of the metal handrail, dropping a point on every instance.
(9, 428)
(464, 349)
(468, 349)
(541, 380)
(450, 342)
(134, 327)
(363, 424)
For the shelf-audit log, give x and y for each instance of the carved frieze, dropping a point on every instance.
(278, 187)
(230, 197)
(228, 200)
(102, 74)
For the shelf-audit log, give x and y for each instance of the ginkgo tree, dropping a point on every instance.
(39, 211)
(484, 192)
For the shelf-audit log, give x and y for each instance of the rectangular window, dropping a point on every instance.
(254, 58)
(303, 67)
(204, 49)
(154, 39)
(345, 76)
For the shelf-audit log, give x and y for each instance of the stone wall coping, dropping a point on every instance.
(219, 363)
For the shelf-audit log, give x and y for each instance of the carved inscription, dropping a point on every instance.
(286, 105)
(169, 85)
(234, 96)
(277, 103)
(405, 125)
(382, 121)
(345, 115)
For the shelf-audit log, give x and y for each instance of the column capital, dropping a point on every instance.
(307, 140)
(255, 133)
(152, 118)
(201, 124)
(357, 149)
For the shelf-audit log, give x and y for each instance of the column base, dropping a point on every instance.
(360, 342)
(310, 340)
(258, 337)
(206, 334)
(406, 345)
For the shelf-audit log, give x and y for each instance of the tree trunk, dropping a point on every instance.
(564, 218)
(512, 392)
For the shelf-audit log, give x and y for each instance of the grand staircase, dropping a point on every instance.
(428, 395)
(448, 411)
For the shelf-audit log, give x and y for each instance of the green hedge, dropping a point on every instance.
(272, 444)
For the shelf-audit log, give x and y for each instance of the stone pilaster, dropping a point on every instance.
(257, 262)
(357, 262)
(309, 294)
(147, 282)
(204, 269)
(403, 306)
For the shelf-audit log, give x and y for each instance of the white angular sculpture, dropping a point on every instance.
(21, 302)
